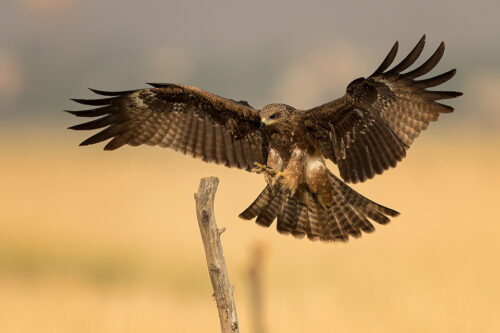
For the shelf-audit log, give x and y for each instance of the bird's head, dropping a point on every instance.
(273, 113)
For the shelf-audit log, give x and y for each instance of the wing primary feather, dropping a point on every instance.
(436, 80)
(160, 85)
(91, 113)
(388, 60)
(437, 95)
(96, 123)
(97, 102)
(444, 108)
(115, 143)
(130, 132)
(410, 58)
(111, 93)
(428, 65)
(103, 135)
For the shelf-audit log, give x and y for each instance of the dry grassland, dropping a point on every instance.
(93, 241)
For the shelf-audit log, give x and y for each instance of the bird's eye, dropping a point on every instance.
(273, 116)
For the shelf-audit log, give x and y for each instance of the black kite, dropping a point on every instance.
(365, 132)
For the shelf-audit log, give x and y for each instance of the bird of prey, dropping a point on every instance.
(364, 132)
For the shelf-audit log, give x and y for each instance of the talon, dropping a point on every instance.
(259, 168)
(273, 176)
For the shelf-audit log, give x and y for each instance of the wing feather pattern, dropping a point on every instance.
(369, 129)
(184, 118)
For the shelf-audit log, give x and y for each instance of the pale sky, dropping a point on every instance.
(300, 53)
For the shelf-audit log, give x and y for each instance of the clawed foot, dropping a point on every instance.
(271, 174)
(274, 178)
(261, 168)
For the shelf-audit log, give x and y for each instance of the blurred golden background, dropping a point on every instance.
(94, 241)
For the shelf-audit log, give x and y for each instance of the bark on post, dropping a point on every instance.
(210, 234)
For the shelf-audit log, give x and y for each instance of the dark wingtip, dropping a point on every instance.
(410, 58)
(111, 93)
(159, 85)
(445, 108)
(437, 95)
(388, 59)
(91, 113)
(94, 102)
(101, 92)
(428, 65)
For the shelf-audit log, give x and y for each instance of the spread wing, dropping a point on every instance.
(369, 129)
(184, 118)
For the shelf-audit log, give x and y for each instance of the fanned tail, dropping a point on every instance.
(302, 214)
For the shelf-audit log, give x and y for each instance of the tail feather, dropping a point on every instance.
(302, 220)
(377, 217)
(343, 213)
(313, 225)
(263, 200)
(270, 212)
(336, 232)
(287, 219)
(360, 202)
(303, 214)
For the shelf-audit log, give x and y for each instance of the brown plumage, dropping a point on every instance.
(365, 132)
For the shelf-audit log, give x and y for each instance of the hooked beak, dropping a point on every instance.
(263, 122)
